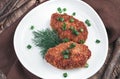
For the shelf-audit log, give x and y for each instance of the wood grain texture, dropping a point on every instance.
(18, 9)
(113, 62)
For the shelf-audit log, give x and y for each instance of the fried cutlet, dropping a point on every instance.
(78, 55)
(69, 27)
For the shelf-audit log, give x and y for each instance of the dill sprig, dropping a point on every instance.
(46, 39)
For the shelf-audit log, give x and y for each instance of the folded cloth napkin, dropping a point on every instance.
(109, 11)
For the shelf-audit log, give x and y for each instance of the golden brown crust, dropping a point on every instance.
(57, 25)
(78, 56)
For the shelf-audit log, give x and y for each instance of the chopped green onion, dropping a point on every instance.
(72, 27)
(86, 65)
(29, 46)
(65, 40)
(65, 75)
(60, 19)
(88, 22)
(64, 9)
(72, 45)
(97, 41)
(82, 41)
(59, 10)
(71, 20)
(81, 30)
(32, 27)
(64, 26)
(73, 14)
(74, 31)
(66, 56)
(66, 52)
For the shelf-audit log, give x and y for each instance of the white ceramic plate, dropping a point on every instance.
(40, 18)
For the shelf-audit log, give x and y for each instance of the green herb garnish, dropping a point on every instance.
(32, 27)
(46, 39)
(73, 14)
(74, 31)
(29, 46)
(72, 20)
(59, 10)
(72, 45)
(86, 65)
(60, 19)
(88, 22)
(64, 26)
(97, 41)
(65, 40)
(64, 9)
(66, 54)
(82, 41)
(65, 75)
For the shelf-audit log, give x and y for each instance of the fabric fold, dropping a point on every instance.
(9, 63)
